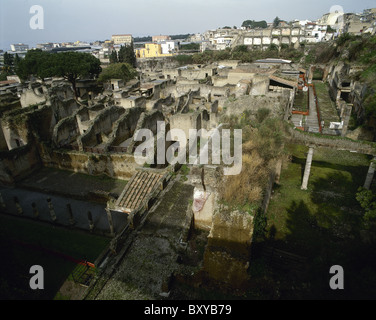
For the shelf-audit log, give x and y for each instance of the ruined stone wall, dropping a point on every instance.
(117, 166)
(18, 163)
(147, 120)
(186, 121)
(3, 142)
(260, 85)
(41, 123)
(275, 102)
(333, 142)
(188, 102)
(150, 64)
(168, 101)
(227, 254)
(66, 131)
(196, 74)
(15, 126)
(31, 96)
(124, 127)
(102, 124)
(132, 102)
(63, 108)
(85, 114)
(171, 73)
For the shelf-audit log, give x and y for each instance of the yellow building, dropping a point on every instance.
(151, 50)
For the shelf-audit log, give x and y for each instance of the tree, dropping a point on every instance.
(276, 22)
(122, 71)
(74, 65)
(7, 68)
(114, 57)
(273, 47)
(8, 59)
(252, 24)
(367, 200)
(69, 65)
(36, 63)
(127, 55)
(241, 48)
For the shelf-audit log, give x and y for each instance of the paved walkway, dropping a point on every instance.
(312, 121)
(154, 251)
(71, 184)
(79, 210)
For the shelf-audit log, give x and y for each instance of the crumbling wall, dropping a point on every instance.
(227, 254)
(197, 74)
(61, 90)
(117, 166)
(147, 120)
(66, 131)
(158, 105)
(132, 102)
(186, 121)
(124, 127)
(64, 108)
(18, 163)
(102, 125)
(9, 101)
(41, 123)
(157, 63)
(275, 102)
(16, 128)
(35, 94)
(260, 85)
(85, 114)
(3, 142)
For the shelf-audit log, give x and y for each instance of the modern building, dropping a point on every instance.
(151, 50)
(122, 39)
(19, 47)
(45, 46)
(169, 47)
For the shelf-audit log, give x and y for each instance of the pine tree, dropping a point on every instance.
(114, 57)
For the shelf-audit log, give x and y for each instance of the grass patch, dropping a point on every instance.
(301, 101)
(324, 223)
(327, 107)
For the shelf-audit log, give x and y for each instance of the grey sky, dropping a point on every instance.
(88, 20)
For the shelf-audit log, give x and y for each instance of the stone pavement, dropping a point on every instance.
(67, 183)
(312, 120)
(59, 203)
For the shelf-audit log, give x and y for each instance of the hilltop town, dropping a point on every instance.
(129, 226)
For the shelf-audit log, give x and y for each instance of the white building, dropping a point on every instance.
(169, 47)
(19, 47)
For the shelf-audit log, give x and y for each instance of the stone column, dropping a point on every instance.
(131, 220)
(307, 169)
(52, 210)
(370, 174)
(2, 203)
(70, 214)
(91, 223)
(18, 206)
(109, 217)
(35, 210)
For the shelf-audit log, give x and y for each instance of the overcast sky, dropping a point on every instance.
(89, 20)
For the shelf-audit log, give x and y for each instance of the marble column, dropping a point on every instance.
(307, 169)
(370, 174)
